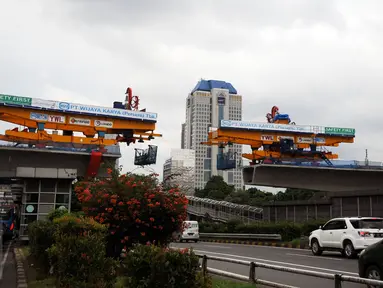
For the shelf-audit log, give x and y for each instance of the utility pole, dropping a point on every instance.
(366, 159)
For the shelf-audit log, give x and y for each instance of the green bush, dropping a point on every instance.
(40, 239)
(287, 230)
(153, 266)
(310, 226)
(211, 227)
(79, 254)
(57, 213)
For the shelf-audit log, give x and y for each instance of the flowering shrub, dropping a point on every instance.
(153, 266)
(78, 254)
(40, 239)
(135, 209)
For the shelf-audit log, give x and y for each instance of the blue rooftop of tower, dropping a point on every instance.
(207, 85)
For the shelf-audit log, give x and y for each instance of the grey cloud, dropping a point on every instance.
(318, 61)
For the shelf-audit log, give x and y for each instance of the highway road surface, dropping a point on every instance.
(293, 258)
(7, 266)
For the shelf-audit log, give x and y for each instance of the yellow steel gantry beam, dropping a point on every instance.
(257, 139)
(262, 154)
(89, 125)
(63, 121)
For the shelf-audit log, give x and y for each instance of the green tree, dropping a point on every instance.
(216, 188)
(200, 193)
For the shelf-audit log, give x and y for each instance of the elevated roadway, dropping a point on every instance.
(24, 162)
(315, 178)
(292, 258)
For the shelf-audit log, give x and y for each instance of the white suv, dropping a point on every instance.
(347, 235)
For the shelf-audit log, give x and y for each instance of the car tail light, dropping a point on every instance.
(364, 234)
(12, 226)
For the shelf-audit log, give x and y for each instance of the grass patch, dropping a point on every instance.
(220, 283)
(46, 283)
(50, 283)
(25, 250)
(119, 282)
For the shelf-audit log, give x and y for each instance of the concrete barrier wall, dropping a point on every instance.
(321, 179)
(299, 211)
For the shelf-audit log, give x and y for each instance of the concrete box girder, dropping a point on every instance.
(31, 163)
(315, 178)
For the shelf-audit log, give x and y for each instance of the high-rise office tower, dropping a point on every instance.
(179, 170)
(207, 104)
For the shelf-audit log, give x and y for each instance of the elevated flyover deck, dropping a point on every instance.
(15, 160)
(328, 179)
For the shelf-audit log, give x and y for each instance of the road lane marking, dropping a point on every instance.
(277, 262)
(309, 256)
(2, 264)
(217, 246)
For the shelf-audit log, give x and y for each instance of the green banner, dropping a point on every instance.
(339, 131)
(16, 100)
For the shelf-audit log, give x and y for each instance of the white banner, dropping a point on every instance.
(266, 126)
(107, 111)
(42, 103)
(65, 106)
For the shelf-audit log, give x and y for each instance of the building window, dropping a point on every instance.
(64, 185)
(47, 197)
(208, 152)
(32, 185)
(230, 177)
(206, 164)
(48, 185)
(62, 198)
(206, 176)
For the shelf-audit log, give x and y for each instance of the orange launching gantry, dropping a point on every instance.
(278, 140)
(38, 116)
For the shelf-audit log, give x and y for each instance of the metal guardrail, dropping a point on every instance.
(277, 237)
(338, 278)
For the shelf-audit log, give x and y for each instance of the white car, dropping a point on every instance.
(348, 235)
(190, 232)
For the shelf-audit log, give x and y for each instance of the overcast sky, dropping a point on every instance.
(319, 61)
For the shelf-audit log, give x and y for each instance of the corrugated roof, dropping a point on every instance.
(207, 85)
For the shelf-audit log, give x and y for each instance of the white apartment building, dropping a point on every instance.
(179, 169)
(207, 104)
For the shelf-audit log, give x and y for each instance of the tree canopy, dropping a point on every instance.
(216, 188)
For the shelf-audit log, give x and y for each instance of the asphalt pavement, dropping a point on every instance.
(330, 262)
(7, 265)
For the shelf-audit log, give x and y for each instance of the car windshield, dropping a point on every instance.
(5, 215)
(191, 225)
(367, 224)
